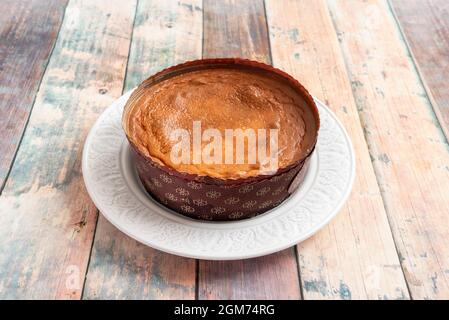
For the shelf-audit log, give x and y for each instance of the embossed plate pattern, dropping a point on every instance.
(112, 183)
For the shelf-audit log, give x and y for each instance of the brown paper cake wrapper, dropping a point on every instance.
(209, 198)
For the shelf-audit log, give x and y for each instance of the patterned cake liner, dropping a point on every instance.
(209, 198)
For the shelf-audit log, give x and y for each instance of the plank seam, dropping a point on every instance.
(197, 262)
(429, 97)
(301, 289)
(295, 247)
(270, 54)
(97, 211)
(202, 31)
(125, 80)
(2, 186)
(90, 255)
(197, 279)
(376, 173)
(421, 77)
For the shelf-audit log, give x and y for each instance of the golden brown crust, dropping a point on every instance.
(221, 98)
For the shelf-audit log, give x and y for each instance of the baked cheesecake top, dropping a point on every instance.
(221, 98)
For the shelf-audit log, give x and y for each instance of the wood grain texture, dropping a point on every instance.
(165, 33)
(354, 257)
(235, 28)
(28, 32)
(425, 24)
(271, 277)
(122, 268)
(407, 145)
(47, 220)
(238, 29)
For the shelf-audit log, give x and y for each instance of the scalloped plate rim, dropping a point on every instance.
(305, 235)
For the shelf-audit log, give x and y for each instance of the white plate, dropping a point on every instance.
(112, 183)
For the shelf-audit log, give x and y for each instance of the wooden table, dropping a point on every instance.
(381, 66)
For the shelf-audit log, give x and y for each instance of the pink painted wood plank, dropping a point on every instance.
(425, 24)
(409, 150)
(165, 33)
(354, 256)
(238, 29)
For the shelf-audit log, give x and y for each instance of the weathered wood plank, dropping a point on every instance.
(47, 220)
(426, 27)
(408, 147)
(27, 32)
(271, 277)
(122, 268)
(354, 257)
(238, 29)
(165, 33)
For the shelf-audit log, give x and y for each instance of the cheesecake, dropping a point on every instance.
(235, 129)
